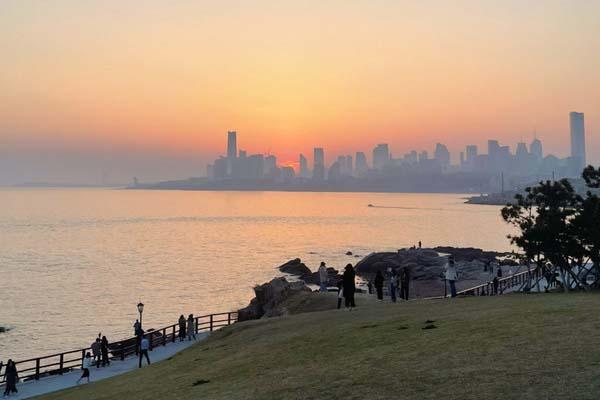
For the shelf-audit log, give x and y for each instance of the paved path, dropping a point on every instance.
(59, 382)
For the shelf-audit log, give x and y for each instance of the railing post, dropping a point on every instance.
(173, 333)
(196, 324)
(37, 369)
(211, 322)
(82, 357)
(61, 363)
(164, 333)
(229, 318)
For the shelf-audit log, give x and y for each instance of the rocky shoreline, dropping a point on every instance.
(426, 267)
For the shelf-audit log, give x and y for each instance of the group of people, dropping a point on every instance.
(187, 328)
(346, 287)
(398, 284)
(11, 377)
(98, 357)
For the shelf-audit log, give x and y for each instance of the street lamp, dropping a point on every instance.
(140, 308)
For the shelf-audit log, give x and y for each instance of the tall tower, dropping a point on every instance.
(319, 163)
(231, 144)
(578, 138)
(303, 166)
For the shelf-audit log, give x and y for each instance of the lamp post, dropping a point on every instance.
(140, 308)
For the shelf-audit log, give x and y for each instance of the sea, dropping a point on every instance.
(76, 262)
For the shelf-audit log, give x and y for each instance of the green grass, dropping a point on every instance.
(512, 347)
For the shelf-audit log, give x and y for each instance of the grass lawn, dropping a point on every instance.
(520, 346)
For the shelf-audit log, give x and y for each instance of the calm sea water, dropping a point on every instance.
(76, 262)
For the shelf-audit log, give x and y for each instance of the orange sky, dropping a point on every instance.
(170, 78)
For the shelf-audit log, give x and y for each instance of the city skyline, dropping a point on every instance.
(147, 88)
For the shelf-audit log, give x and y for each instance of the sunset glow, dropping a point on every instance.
(166, 80)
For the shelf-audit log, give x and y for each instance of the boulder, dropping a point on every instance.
(295, 267)
(348, 253)
(269, 299)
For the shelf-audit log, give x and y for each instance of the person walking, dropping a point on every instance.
(379, 285)
(323, 277)
(96, 352)
(86, 364)
(451, 275)
(349, 286)
(404, 283)
(499, 272)
(340, 286)
(191, 327)
(392, 284)
(144, 347)
(104, 351)
(182, 330)
(11, 378)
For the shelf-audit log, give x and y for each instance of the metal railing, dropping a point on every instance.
(519, 279)
(60, 363)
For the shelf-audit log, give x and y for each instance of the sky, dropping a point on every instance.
(101, 91)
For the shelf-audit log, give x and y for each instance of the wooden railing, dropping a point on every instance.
(60, 363)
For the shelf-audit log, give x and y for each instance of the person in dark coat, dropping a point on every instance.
(379, 285)
(182, 331)
(104, 351)
(404, 283)
(12, 377)
(349, 286)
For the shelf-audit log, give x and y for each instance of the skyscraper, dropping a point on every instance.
(578, 139)
(536, 149)
(349, 167)
(319, 163)
(303, 166)
(231, 144)
(362, 168)
(471, 152)
(381, 156)
(442, 155)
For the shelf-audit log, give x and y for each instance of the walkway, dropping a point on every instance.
(60, 382)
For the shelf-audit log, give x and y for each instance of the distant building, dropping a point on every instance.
(362, 168)
(578, 139)
(303, 166)
(535, 148)
(270, 165)
(287, 174)
(349, 166)
(442, 155)
(381, 156)
(521, 152)
(243, 154)
(423, 156)
(319, 164)
(335, 172)
(471, 151)
(255, 166)
(231, 144)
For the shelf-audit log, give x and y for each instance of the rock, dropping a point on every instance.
(295, 267)
(348, 253)
(427, 264)
(269, 299)
(4, 329)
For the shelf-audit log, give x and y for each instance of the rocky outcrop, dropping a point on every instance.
(298, 268)
(269, 299)
(429, 264)
(295, 267)
(4, 329)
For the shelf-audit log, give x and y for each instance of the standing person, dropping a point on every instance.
(404, 283)
(144, 347)
(379, 285)
(104, 351)
(392, 284)
(451, 275)
(340, 286)
(182, 330)
(323, 277)
(11, 378)
(191, 327)
(419, 244)
(87, 362)
(96, 352)
(499, 272)
(136, 327)
(495, 283)
(349, 286)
